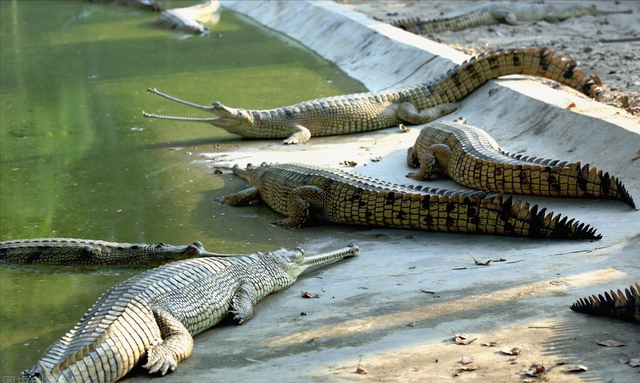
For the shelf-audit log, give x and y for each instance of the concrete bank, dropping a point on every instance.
(393, 309)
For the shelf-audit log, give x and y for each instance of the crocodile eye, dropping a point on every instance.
(162, 244)
(197, 243)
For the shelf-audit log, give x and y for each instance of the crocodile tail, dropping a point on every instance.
(521, 220)
(503, 216)
(625, 306)
(557, 178)
(409, 25)
(463, 79)
(598, 184)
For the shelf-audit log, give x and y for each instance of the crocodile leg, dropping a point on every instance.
(176, 344)
(242, 197)
(243, 301)
(508, 17)
(435, 159)
(302, 199)
(407, 112)
(300, 135)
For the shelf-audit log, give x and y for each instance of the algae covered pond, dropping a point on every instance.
(77, 159)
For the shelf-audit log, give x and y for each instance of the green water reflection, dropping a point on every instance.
(77, 159)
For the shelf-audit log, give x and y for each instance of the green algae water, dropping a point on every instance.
(77, 159)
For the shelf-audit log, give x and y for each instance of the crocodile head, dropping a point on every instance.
(193, 250)
(295, 262)
(251, 173)
(230, 119)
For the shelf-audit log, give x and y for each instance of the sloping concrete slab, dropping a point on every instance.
(394, 308)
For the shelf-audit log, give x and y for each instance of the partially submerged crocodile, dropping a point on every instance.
(621, 306)
(301, 192)
(496, 13)
(153, 316)
(377, 110)
(472, 158)
(70, 251)
(189, 19)
(143, 4)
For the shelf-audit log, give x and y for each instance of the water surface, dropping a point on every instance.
(77, 159)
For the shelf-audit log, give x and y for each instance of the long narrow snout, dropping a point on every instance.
(324, 258)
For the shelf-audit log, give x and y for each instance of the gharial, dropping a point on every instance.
(496, 13)
(625, 306)
(301, 192)
(152, 317)
(377, 110)
(189, 19)
(473, 158)
(71, 251)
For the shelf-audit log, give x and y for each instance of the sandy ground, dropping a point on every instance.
(616, 64)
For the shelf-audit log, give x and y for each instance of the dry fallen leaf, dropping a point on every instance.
(305, 294)
(572, 105)
(536, 369)
(463, 338)
(361, 370)
(578, 368)
(478, 262)
(636, 156)
(492, 91)
(349, 163)
(376, 159)
(490, 344)
(611, 343)
(635, 362)
(511, 351)
(217, 171)
(467, 359)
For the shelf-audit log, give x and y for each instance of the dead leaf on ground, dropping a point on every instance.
(478, 262)
(376, 159)
(305, 294)
(536, 369)
(349, 163)
(578, 368)
(360, 370)
(467, 359)
(217, 171)
(611, 343)
(511, 351)
(492, 91)
(463, 339)
(490, 344)
(572, 105)
(636, 156)
(634, 362)
(403, 128)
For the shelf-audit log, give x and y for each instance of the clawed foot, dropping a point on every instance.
(161, 360)
(414, 176)
(287, 223)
